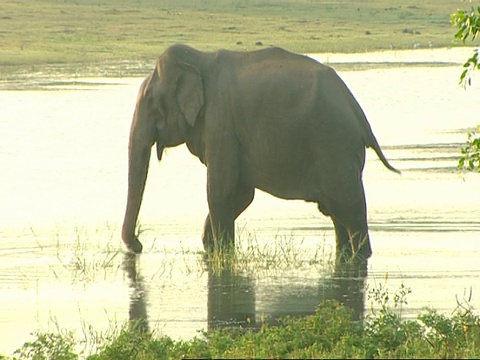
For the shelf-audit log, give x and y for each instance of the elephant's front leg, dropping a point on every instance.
(242, 197)
(222, 222)
(207, 236)
(219, 236)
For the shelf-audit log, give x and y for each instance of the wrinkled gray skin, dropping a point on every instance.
(266, 119)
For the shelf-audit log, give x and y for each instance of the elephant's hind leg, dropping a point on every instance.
(353, 217)
(344, 247)
(351, 229)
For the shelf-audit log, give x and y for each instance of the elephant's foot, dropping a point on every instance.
(211, 245)
(346, 255)
(135, 246)
(365, 249)
(218, 251)
(354, 268)
(208, 244)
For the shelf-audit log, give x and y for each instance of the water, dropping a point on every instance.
(63, 190)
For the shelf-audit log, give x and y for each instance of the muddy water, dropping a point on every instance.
(63, 189)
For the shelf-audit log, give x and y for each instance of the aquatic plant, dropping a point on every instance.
(80, 260)
(255, 256)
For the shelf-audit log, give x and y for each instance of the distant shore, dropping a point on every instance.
(112, 38)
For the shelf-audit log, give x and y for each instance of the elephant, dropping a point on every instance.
(267, 119)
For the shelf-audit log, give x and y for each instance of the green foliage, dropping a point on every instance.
(443, 333)
(380, 294)
(134, 343)
(311, 336)
(452, 337)
(470, 159)
(471, 64)
(386, 333)
(331, 332)
(46, 346)
(455, 336)
(468, 24)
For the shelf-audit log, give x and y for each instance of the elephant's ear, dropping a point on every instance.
(189, 92)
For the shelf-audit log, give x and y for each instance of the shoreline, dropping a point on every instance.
(38, 77)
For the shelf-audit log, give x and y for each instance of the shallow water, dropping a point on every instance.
(63, 192)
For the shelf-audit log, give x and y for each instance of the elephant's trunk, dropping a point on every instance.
(140, 145)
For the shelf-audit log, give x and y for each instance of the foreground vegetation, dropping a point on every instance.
(91, 35)
(329, 333)
(333, 331)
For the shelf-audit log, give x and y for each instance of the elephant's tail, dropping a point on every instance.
(367, 133)
(368, 136)
(373, 143)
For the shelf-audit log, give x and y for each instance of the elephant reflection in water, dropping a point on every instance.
(137, 313)
(232, 298)
(347, 286)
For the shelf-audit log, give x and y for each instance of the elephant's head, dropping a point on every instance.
(168, 103)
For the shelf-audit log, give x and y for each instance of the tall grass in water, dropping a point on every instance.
(250, 254)
(84, 260)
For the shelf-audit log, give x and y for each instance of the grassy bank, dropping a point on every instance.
(91, 35)
(329, 333)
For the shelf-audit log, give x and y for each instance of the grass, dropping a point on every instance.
(330, 332)
(250, 254)
(72, 253)
(254, 256)
(89, 36)
(76, 255)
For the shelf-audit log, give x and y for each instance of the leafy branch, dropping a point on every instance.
(468, 24)
(470, 159)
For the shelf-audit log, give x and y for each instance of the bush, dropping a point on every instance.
(330, 332)
(48, 346)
